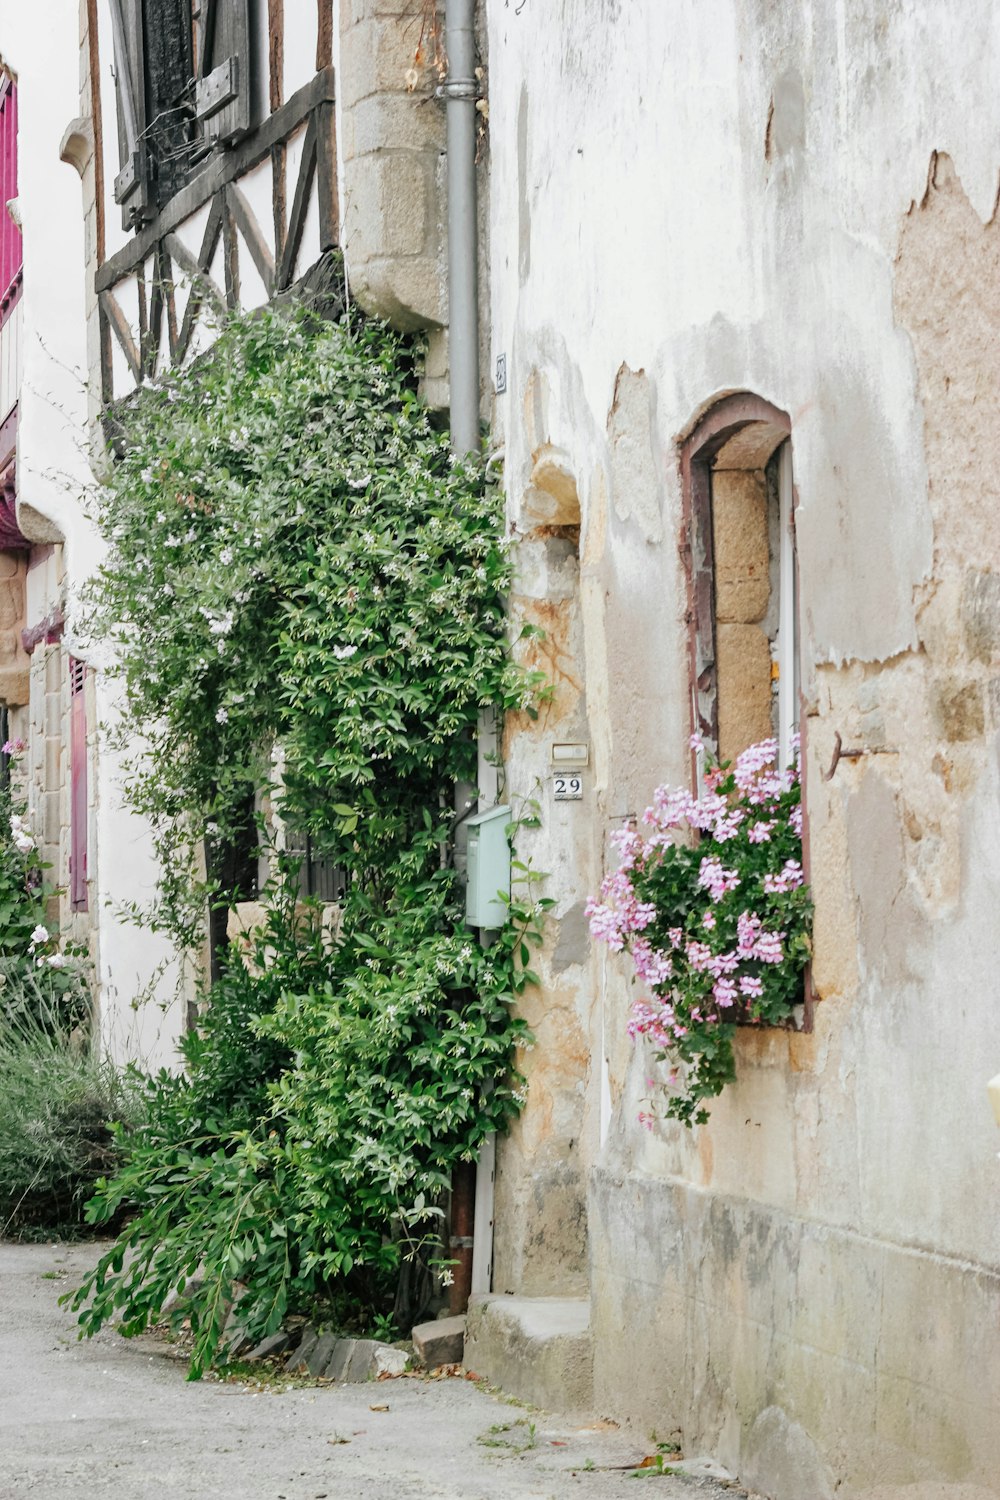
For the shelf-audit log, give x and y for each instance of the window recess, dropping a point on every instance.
(743, 607)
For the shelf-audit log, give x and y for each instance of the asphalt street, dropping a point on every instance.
(115, 1419)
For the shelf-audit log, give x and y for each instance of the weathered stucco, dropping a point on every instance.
(808, 1285)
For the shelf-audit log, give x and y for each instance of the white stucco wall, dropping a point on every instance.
(139, 1015)
(743, 196)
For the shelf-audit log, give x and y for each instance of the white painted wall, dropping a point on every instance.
(55, 479)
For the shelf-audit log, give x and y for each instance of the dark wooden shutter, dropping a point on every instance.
(169, 83)
(224, 92)
(78, 811)
(133, 185)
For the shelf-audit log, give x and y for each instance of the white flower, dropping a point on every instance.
(447, 1278)
(40, 935)
(342, 653)
(361, 483)
(23, 843)
(226, 556)
(56, 961)
(221, 715)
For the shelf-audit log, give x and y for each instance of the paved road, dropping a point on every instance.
(115, 1419)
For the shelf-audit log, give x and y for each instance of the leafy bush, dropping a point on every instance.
(718, 924)
(325, 1104)
(336, 584)
(56, 1103)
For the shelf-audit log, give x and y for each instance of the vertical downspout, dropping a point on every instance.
(459, 91)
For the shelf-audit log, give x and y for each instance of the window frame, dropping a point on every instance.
(715, 426)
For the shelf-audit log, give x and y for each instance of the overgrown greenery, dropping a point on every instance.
(306, 591)
(36, 979)
(56, 1101)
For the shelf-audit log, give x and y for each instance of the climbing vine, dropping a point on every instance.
(305, 592)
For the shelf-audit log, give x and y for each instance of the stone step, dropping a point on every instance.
(538, 1349)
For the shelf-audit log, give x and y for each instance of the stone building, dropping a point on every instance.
(743, 264)
(739, 307)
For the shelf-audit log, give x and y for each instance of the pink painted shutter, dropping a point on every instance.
(78, 784)
(10, 235)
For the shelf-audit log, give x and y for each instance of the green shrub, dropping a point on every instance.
(57, 1102)
(325, 1105)
(336, 584)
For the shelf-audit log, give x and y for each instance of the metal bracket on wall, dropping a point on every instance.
(855, 753)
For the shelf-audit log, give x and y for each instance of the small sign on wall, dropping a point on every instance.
(568, 762)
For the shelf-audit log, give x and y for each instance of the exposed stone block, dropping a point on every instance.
(392, 120)
(275, 1343)
(387, 213)
(11, 603)
(375, 57)
(960, 711)
(537, 1348)
(408, 293)
(739, 531)
(297, 1361)
(321, 1354)
(981, 615)
(440, 1343)
(743, 664)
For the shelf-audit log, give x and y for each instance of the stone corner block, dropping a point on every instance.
(440, 1343)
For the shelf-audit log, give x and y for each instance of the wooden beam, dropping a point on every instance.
(98, 127)
(326, 176)
(324, 33)
(151, 354)
(107, 373)
(122, 332)
(279, 197)
(230, 257)
(202, 286)
(197, 266)
(248, 227)
(220, 169)
(300, 203)
(275, 53)
(171, 300)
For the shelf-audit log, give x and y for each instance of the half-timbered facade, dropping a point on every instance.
(216, 170)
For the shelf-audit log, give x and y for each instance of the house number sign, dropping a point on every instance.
(568, 762)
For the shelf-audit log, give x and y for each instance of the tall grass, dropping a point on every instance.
(57, 1101)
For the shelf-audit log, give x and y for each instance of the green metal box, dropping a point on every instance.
(488, 870)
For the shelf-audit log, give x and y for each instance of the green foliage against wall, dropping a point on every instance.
(297, 559)
(299, 572)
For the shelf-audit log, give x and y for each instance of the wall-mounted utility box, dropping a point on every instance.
(488, 869)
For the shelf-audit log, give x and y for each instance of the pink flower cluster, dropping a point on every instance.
(694, 972)
(619, 913)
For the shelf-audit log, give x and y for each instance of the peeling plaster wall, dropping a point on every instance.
(808, 1286)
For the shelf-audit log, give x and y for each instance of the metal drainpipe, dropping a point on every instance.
(460, 91)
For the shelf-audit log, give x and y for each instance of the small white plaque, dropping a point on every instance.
(568, 786)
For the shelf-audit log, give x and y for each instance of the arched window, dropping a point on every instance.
(737, 471)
